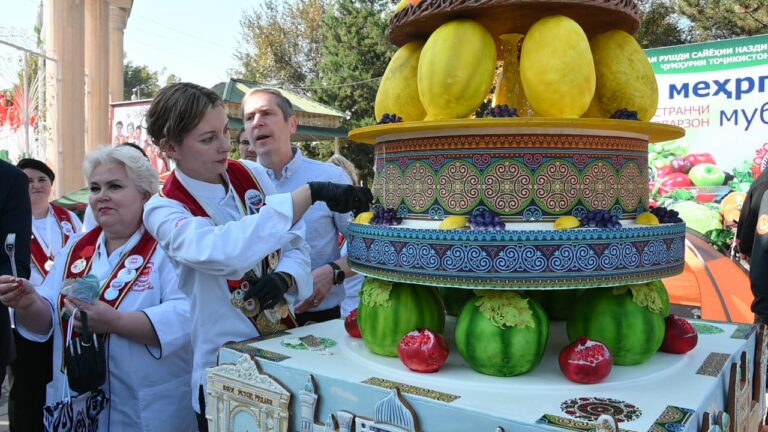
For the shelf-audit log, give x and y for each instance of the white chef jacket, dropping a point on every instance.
(148, 386)
(48, 232)
(206, 255)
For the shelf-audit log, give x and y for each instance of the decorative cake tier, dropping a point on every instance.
(525, 169)
(519, 259)
(529, 171)
(512, 16)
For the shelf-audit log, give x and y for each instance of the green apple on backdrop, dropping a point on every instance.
(706, 174)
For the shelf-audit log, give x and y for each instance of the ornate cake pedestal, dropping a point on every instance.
(327, 373)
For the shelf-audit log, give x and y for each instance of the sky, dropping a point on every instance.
(193, 39)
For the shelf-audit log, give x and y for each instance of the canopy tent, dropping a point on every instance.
(712, 283)
(76, 200)
(317, 122)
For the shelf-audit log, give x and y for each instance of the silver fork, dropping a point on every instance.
(10, 249)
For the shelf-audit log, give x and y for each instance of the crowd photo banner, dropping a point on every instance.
(718, 92)
(128, 125)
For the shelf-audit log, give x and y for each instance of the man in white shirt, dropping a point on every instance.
(269, 123)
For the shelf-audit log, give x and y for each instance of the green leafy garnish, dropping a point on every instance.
(643, 295)
(505, 308)
(376, 292)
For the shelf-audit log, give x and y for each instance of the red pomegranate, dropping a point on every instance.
(423, 350)
(350, 324)
(586, 361)
(679, 337)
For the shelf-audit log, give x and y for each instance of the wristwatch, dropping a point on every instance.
(338, 273)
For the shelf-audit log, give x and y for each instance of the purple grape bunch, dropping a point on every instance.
(666, 216)
(386, 217)
(625, 114)
(486, 220)
(599, 219)
(390, 118)
(502, 110)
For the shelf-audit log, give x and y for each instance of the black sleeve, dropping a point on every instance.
(745, 232)
(750, 210)
(15, 217)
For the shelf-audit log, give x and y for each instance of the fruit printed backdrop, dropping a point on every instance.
(718, 92)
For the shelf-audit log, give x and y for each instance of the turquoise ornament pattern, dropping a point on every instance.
(518, 258)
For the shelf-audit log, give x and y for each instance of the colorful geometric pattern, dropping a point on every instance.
(713, 365)
(246, 348)
(570, 424)
(518, 258)
(410, 389)
(590, 408)
(705, 329)
(515, 175)
(673, 419)
(303, 344)
(743, 331)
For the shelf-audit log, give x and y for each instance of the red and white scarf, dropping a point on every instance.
(250, 198)
(42, 255)
(114, 289)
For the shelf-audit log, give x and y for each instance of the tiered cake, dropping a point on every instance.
(549, 194)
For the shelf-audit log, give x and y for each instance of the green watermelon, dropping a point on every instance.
(502, 333)
(628, 319)
(557, 303)
(454, 299)
(389, 310)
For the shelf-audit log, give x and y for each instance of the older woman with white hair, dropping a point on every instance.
(140, 314)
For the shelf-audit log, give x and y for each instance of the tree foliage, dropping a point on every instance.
(280, 42)
(172, 78)
(724, 19)
(146, 82)
(355, 52)
(661, 25)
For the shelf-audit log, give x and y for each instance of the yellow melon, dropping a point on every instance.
(625, 77)
(398, 91)
(456, 69)
(556, 68)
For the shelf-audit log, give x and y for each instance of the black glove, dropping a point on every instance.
(269, 290)
(342, 198)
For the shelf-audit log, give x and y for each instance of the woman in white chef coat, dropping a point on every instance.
(237, 245)
(140, 308)
(51, 225)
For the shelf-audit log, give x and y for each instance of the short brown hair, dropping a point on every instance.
(285, 105)
(177, 109)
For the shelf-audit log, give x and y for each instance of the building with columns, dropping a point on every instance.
(86, 39)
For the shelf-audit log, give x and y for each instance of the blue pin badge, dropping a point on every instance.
(254, 200)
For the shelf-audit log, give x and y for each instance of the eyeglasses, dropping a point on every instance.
(244, 143)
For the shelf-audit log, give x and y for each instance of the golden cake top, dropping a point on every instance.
(512, 16)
